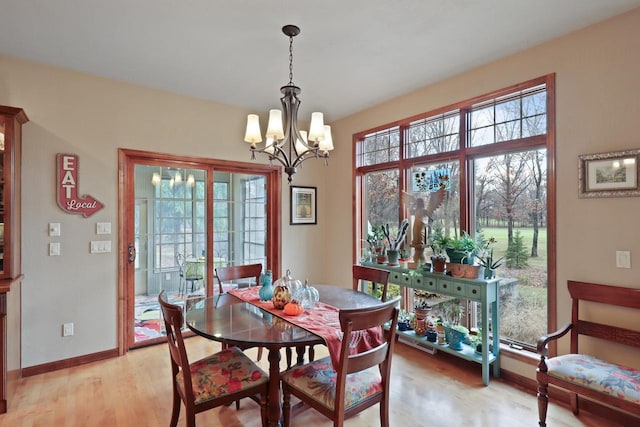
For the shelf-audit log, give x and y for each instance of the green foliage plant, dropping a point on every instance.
(486, 259)
(396, 242)
(438, 243)
(464, 244)
(375, 238)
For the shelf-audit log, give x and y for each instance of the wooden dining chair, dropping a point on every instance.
(237, 272)
(359, 381)
(220, 379)
(378, 277)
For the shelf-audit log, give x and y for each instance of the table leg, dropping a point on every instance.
(275, 406)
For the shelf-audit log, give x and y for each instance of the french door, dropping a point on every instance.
(181, 217)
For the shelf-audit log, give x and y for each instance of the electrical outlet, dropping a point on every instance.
(67, 329)
(167, 276)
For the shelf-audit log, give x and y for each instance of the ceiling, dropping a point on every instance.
(350, 54)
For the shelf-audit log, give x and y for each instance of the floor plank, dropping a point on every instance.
(135, 390)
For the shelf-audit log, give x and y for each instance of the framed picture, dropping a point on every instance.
(303, 205)
(612, 174)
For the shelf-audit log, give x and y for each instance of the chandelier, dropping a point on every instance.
(286, 144)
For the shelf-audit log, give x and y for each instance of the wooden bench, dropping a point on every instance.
(585, 375)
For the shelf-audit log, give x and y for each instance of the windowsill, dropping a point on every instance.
(525, 356)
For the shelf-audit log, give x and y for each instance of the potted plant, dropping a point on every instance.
(457, 335)
(422, 309)
(462, 250)
(393, 253)
(405, 257)
(438, 244)
(486, 259)
(440, 330)
(375, 239)
(404, 320)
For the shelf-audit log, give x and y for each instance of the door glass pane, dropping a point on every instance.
(170, 238)
(239, 219)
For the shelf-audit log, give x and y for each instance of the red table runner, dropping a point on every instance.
(321, 320)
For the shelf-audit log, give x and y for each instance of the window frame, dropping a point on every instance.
(465, 155)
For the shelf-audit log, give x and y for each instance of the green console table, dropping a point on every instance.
(483, 291)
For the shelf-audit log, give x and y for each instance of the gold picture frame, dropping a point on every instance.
(613, 174)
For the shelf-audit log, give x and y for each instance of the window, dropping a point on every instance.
(240, 218)
(221, 220)
(255, 220)
(491, 153)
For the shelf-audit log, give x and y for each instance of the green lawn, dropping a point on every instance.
(500, 247)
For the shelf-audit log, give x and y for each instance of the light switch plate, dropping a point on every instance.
(623, 259)
(100, 246)
(54, 249)
(103, 228)
(54, 229)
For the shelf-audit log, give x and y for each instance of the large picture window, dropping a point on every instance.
(492, 153)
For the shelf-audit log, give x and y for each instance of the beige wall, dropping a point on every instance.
(598, 109)
(92, 117)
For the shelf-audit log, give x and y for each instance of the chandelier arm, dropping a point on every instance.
(311, 154)
(284, 160)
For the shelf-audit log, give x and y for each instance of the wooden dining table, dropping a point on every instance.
(229, 319)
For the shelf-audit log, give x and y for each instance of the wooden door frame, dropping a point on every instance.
(127, 159)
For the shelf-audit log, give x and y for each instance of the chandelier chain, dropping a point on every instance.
(291, 60)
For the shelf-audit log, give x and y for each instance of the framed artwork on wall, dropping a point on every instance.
(303, 205)
(613, 174)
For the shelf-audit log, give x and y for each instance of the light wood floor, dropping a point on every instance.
(135, 390)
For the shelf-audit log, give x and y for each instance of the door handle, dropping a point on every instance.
(132, 253)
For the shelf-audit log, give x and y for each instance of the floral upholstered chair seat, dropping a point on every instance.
(318, 381)
(225, 372)
(587, 371)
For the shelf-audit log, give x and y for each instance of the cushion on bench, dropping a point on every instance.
(608, 378)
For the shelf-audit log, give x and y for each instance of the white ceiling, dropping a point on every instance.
(350, 54)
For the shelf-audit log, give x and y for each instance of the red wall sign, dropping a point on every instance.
(67, 186)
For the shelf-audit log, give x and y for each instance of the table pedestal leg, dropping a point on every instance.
(274, 388)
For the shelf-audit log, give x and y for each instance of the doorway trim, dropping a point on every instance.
(127, 159)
